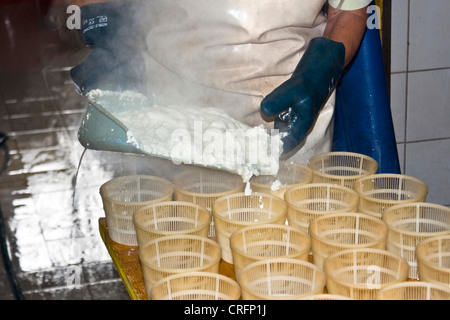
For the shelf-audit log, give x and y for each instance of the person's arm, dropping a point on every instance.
(347, 27)
(115, 61)
(81, 3)
(296, 102)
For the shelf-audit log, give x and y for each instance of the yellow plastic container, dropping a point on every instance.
(325, 296)
(170, 218)
(342, 168)
(196, 286)
(411, 223)
(379, 192)
(361, 273)
(433, 257)
(236, 211)
(310, 201)
(280, 279)
(268, 241)
(417, 290)
(121, 198)
(170, 255)
(341, 231)
(289, 175)
(203, 186)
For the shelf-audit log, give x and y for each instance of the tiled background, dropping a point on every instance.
(420, 91)
(52, 219)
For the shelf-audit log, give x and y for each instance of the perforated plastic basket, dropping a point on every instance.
(121, 198)
(268, 241)
(325, 296)
(378, 192)
(203, 186)
(411, 223)
(342, 168)
(417, 290)
(433, 257)
(170, 218)
(340, 231)
(196, 286)
(310, 201)
(280, 279)
(237, 211)
(361, 273)
(289, 175)
(169, 255)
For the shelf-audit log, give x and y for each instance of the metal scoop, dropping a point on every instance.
(100, 130)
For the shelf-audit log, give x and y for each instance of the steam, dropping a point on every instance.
(192, 135)
(190, 55)
(180, 64)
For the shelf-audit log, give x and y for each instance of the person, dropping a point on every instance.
(266, 62)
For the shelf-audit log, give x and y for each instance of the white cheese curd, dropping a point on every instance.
(193, 135)
(276, 184)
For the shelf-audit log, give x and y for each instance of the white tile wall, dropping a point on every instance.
(420, 92)
(429, 161)
(399, 36)
(429, 34)
(428, 105)
(401, 156)
(398, 104)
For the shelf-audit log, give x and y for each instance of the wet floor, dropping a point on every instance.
(50, 216)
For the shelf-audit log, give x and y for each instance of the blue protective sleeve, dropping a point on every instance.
(363, 119)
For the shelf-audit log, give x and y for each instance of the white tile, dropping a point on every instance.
(429, 162)
(401, 156)
(428, 34)
(398, 104)
(428, 111)
(399, 35)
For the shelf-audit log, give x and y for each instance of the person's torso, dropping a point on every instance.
(236, 50)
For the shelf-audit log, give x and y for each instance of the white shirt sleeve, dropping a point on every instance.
(350, 4)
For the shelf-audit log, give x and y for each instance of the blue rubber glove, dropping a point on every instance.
(296, 103)
(115, 63)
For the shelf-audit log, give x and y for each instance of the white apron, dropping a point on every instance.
(231, 54)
